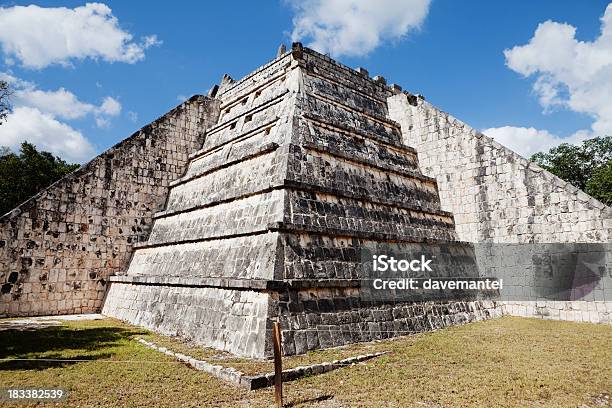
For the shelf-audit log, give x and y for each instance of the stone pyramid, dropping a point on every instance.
(302, 171)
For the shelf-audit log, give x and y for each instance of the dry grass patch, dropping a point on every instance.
(509, 362)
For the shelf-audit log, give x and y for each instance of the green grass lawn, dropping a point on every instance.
(509, 362)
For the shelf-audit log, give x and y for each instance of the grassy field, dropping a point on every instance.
(509, 362)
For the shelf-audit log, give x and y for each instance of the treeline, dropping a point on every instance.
(24, 174)
(587, 166)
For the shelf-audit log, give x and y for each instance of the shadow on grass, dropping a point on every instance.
(59, 342)
(51, 361)
(318, 399)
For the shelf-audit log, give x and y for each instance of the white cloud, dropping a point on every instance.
(47, 133)
(133, 116)
(570, 74)
(355, 27)
(37, 114)
(14, 81)
(151, 40)
(41, 36)
(102, 122)
(527, 141)
(110, 106)
(61, 103)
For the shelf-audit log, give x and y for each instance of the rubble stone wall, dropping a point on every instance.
(58, 249)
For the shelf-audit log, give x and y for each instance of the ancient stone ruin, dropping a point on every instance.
(256, 202)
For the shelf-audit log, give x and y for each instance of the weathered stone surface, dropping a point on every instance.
(497, 196)
(302, 171)
(232, 320)
(58, 249)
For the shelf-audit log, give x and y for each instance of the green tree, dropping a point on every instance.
(587, 166)
(5, 106)
(600, 184)
(25, 174)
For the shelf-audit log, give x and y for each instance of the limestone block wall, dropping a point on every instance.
(58, 249)
(333, 317)
(217, 215)
(552, 281)
(497, 196)
(203, 271)
(226, 319)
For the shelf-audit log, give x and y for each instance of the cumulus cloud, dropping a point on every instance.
(570, 74)
(46, 132)
(527, 141)
(14, 81)
(38, 116)
(355, 27)
(41, 36)
(65, 105)
(61, 103)
(110, 106)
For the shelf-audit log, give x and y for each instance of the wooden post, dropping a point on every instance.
(278, 366)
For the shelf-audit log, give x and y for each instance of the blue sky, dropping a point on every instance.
(532, 97)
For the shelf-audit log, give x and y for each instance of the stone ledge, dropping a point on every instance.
(342, 128)
(299, 185)
(254, 382)
(372, 116)
(366, 235)
(295, 185)
(267, 83)
(273, 101)
(244, 79)
(369, 163)
(233, 283)
(169, 213)
(345, 68)
(279, 226)
(265, 148)
(145, 245)
(249, 133)
(321, 75)
(257, 284)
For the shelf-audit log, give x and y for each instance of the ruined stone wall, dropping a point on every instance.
(58, 249)
(497, 196)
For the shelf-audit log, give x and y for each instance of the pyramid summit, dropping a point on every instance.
(260, 202)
